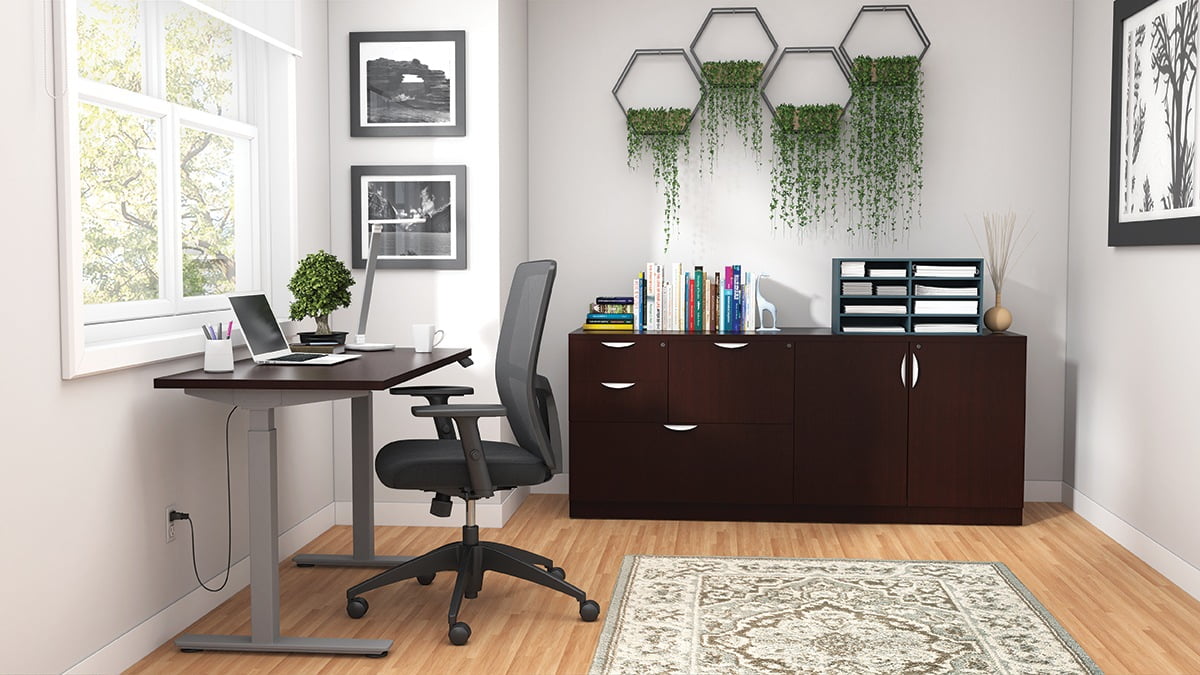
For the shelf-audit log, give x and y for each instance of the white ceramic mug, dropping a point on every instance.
(426, 337)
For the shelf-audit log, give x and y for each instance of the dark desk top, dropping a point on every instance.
(374, 371)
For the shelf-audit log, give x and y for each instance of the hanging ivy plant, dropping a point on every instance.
(808, 171)
(731, 99)
(886, 127)
(662, 132)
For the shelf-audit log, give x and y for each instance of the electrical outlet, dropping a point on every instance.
(170, 524)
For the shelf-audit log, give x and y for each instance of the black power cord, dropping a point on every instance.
(179, 515)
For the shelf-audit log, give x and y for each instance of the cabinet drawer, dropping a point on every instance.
(711, 463)
(617, 358)
(633, 400)
(731, 379)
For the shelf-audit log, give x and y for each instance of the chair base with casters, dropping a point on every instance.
(470, 558)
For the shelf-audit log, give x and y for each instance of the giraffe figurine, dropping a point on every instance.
(765, 306)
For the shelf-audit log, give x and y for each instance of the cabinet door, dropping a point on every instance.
(730, 379)
(966, 423)
(707, 464)
(619, 379)
(851, 422)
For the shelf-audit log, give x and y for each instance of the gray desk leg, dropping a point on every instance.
(263, 505)
(362, 485)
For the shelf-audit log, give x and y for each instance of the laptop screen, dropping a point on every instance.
(254, 315)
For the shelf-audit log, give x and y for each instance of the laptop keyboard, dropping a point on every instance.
(297, 357)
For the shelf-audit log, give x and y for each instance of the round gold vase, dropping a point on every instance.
(997, 319)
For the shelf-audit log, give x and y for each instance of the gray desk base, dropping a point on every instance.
(263, 470)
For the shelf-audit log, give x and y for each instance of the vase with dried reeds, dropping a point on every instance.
(1002, 235)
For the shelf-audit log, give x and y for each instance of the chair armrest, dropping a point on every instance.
(436, 395)
(456, 410)
(432, 391)
(466, 418)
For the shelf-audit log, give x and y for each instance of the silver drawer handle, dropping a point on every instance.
(731, 345)
(617, 385)
(680, 427)
(618, 345)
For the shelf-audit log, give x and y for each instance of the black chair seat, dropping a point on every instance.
(419, 464)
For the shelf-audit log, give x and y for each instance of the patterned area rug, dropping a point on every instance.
(675, 614)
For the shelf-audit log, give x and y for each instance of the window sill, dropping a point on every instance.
(108, 356)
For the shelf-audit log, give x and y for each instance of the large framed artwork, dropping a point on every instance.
(1153, 175)
(408, 83)
(423, 211)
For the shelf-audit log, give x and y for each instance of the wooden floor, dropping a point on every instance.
(1128, 617)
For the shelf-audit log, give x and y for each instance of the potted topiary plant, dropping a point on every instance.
(664, 132)
(808, 172)
(320, 285)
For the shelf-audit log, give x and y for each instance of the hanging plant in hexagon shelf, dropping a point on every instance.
(886, 127)
(808, 171)
(731, 99)
(663, 132)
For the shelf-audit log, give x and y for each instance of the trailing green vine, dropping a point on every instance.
(886, 127)
(808, 172)
(664, 133)
(731, 99)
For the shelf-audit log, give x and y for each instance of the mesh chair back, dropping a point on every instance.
(517, 356)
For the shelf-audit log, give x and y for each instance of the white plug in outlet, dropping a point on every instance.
(170, 524)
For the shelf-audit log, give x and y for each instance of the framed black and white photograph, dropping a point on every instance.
(1153, 176)
(408, 83)
(422, 210)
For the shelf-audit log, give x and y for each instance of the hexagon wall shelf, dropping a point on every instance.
(833, 53)
(733, 11)
(866, 9)
(659, 52)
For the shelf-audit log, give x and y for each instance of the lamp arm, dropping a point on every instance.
(369, 280)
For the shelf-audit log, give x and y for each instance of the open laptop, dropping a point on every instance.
(265, 339)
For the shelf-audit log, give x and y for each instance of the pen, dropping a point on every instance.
(229, 333)
(219, 329)
(207, 336)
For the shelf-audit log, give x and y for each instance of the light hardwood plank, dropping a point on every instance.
(1127, 616)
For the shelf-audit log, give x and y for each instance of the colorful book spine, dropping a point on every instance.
(735, 289)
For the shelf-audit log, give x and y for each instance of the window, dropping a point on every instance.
(170, 124)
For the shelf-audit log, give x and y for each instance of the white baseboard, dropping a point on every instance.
(489, 513)
(1179, 571)
(1043, 491)
(558, 485)
(147, 636)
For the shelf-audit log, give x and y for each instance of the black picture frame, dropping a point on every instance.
(408, 83)
(1148, 140)
(423, 211)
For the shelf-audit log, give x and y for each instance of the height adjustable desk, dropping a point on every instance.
(261, 389)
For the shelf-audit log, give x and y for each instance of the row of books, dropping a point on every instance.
(673, 297)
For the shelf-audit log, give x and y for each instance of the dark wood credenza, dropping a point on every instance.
(799, 425)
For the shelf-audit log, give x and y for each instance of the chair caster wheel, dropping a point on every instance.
(459, 633)
(380, 655)
(427, 579)
(356, 607)
(589, 610)
(558, 573)
(304, 565)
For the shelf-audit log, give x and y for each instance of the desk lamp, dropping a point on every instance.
(360, 339)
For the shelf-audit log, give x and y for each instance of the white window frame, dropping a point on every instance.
(101, 340)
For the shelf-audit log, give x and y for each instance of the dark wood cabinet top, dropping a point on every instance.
(374, 371)
(815, 333)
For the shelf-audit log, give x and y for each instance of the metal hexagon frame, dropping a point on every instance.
(715, 11)
(832, 51)
(660, 52)
(912, 19)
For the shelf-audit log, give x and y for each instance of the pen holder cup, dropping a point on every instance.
(218, 356)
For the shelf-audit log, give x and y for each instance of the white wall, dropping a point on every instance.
(91, 464)
(467, 304)
(997, 116)
(1132, 429)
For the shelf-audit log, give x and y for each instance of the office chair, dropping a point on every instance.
(473, 469)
